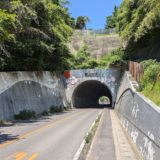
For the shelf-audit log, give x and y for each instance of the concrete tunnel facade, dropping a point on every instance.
(84, 87)
(87, 94)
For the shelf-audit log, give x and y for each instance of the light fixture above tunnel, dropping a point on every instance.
(87, 94)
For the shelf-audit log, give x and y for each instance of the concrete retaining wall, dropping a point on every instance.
(99, 46)
(29, 90)
(140, 117)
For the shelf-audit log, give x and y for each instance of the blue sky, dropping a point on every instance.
(96, 10)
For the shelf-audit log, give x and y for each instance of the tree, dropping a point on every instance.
(81, 22)
(102, 99)
(112, 20)
(139, 23)
(35, 33)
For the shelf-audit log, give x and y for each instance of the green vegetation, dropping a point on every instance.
(103, 98)
(139, 23)
(46, 112)
(2, 122)
(88, 137)
(151, 69)
(35, 33)
(113, 19)
(98, 119)
(25, 114)
(117, 58)
(81, 22)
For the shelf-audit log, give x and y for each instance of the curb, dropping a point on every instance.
(93, 139)
(83, 142)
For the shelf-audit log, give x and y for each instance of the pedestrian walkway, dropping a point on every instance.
(111, 141)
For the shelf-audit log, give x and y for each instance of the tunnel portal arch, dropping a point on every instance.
(87, 94)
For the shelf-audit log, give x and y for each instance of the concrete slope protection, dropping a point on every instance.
(140, 117)
(41, 90)
(55, 137)
(99, 46)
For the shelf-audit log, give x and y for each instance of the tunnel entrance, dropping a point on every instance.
(88, 93)
(104, 100)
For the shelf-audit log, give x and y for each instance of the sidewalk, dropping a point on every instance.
(111, 141)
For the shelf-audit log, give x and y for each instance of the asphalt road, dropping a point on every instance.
(55, 137)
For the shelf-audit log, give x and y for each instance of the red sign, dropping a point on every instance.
(67, 74)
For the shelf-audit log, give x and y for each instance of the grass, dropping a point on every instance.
(154, 94)
(102, 35)
(2, 121)
(88, 140)
(132, 79)
(98, 119)
(88, 137)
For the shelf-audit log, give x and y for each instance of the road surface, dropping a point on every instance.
(54, 137)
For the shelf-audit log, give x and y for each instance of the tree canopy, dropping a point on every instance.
(139, 22)
(34, 34)
(81, 22)
(112, 20)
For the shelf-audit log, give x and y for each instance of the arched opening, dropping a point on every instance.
(88, 93)
(104, 101)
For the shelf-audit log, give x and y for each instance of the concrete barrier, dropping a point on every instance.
(140, 117)
(29, 90)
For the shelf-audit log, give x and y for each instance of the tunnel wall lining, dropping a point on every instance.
(104, 76)
(140, 117)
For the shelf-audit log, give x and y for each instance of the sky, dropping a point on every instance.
(96, 10)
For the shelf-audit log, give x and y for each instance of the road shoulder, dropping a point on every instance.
(103, 146)
(124, 147)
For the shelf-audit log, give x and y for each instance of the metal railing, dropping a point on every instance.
(136, 70)
(97, 32)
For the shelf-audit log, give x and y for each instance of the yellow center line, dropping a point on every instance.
(34, 156)
(22, 156)
(12, 156)
(40, 129)
(19, 154)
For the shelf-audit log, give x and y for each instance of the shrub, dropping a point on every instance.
(31, 113)
(25, 114)
(2, 121)
(46, 112)
(56, 109)
(140, 86)
(148, 63)
(68, 107)
(88, 137)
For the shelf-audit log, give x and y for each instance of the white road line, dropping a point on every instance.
(83, 142)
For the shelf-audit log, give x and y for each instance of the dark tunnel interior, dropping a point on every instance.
(87, 94)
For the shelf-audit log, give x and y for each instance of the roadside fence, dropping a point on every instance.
(136, 70)
(97, 32)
